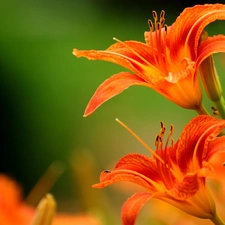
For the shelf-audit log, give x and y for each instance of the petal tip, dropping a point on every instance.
(87, 112)
(75, 52)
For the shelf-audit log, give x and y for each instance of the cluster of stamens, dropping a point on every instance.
(159, 137)
(164, 165)
(157, 25)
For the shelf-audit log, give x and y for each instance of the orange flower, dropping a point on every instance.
(167, 63)
(174, 174)
(14, 211)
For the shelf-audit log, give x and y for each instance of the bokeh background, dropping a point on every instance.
(45, 89)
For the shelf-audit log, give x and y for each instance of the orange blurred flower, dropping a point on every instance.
(174, 174)
(14, 211)
(168, 62)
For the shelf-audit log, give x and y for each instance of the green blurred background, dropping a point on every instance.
(45, 89)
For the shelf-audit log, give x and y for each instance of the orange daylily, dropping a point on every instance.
(168, 62)
(14, 211)
(175, 174)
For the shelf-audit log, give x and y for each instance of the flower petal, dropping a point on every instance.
(132, 207)
(135, 168)
(188, 27)
(185, 189)
(133, 55)
(193, 142)
(210, 46)
(191, 196)
(215, 146)
(111, 87)
(141, 164)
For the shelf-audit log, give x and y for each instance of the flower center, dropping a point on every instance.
(162, 157)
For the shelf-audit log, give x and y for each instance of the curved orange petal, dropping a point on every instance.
(110, 177)
(215, 146)
(135, 168)
(187, 28)
(191, 206)
(185, 189)
(132, 207)
(134, 49)
(210, 46)
(133, 55)
(112, 87)
(194, 140)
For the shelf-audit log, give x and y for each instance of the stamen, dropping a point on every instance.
(140, 140)
(158, 26)
(172, 142)
(163, 129)
(150, 24)
(160, 136)
(171, 128)
(158, 139)
(162, 21)
(162, 14)
(135, 53)
(166, 28)
(169, 135)
(155, 16)
(157, 39)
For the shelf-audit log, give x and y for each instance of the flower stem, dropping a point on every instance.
(220, 106)
(202, 110)
(217, 220)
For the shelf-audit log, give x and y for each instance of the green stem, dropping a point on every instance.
(220, 106)
(217, 220)
(202, 110)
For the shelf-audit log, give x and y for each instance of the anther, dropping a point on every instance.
(166, 28)
(150, 24)
(154, 14)
(171, 129)
(162, 14)
(157, 140)
(162, 21)
(158, 26)
(107, 171)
